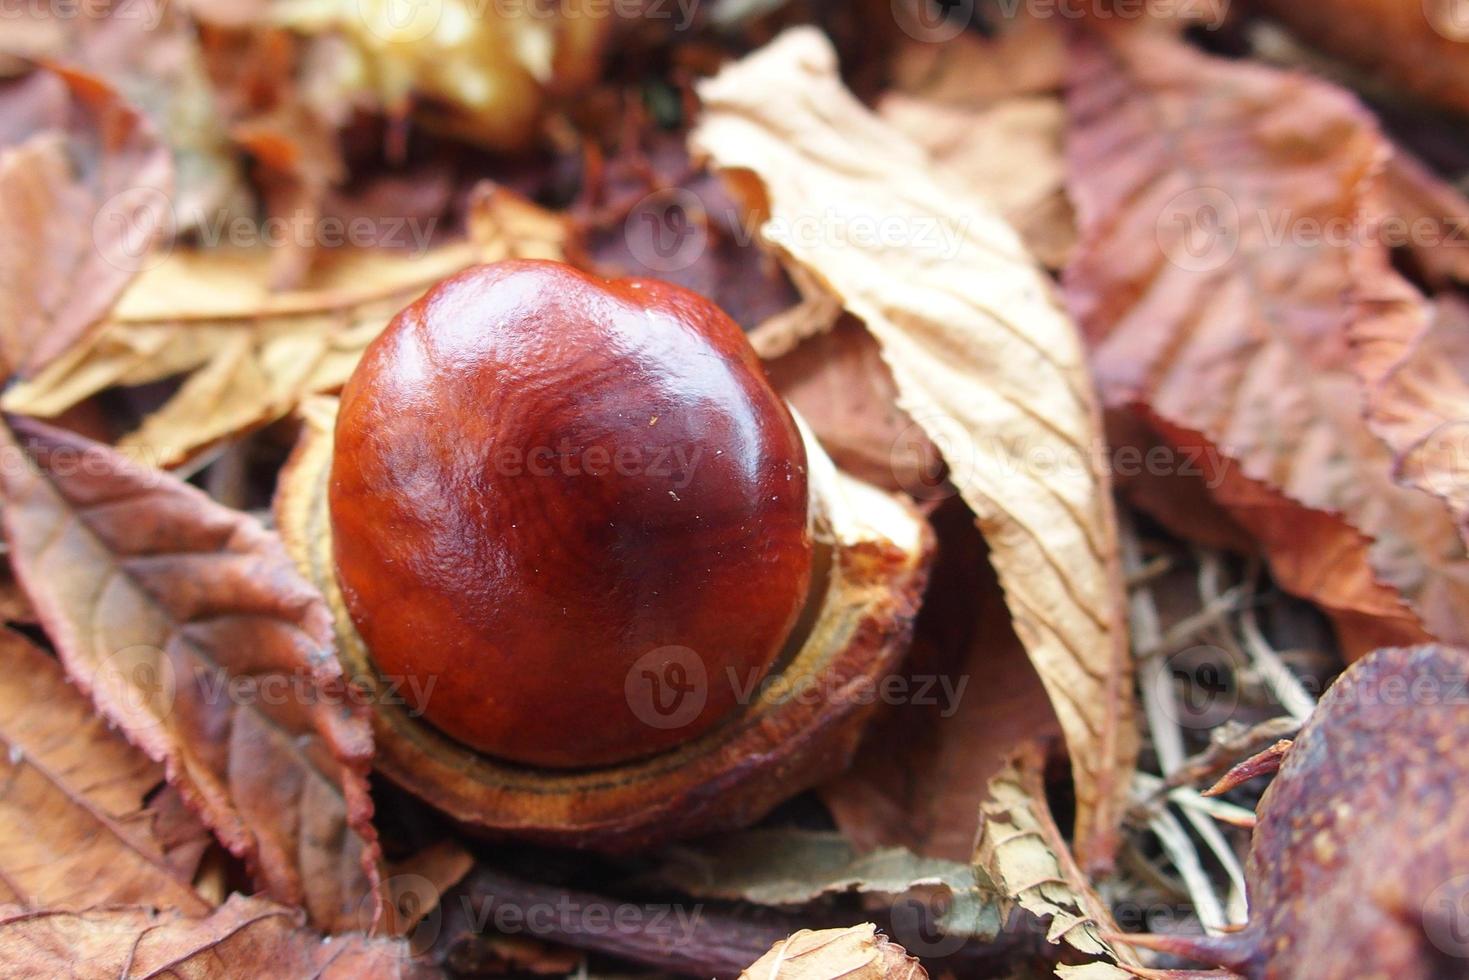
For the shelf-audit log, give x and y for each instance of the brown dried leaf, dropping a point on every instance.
(1418, 398)
(1221, 214)
(245, 937)
(855, 953)
(985, 362)
(838, 382)
(1422, 46)
(195, 635)
(924, 767)
(250, 354)
(84, 184)
(151, 56)
(76, 828)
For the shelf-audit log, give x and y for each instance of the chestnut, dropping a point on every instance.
(555, 496)
(562, 638)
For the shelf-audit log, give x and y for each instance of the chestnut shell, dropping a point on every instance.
(569, 513)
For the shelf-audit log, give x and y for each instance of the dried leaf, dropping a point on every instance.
(794, 867)
(845, 393)
(77, 829)
(985, 362)
(1418, 399)
(250, 354)
(150, 54)
(1220, 205)
(245, 937)
(84, 189)
(195, 635)
(924, 766)
(649, 210)
(857, 953)
(1422, 46)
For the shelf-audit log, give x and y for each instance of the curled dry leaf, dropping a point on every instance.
(985, 362)
(1413, 357)
(1023, 854)
(1418, 398)
(1359, 866)
(245, 937)
(1221, 209)
(793, 867)
(1422, 46)
(84, 185)
(75, 825)
(194, 634)
(249, 354)
(856, 953)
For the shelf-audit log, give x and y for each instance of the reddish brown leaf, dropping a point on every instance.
(1222, 232)
(84, 184)
(840, 385)
(75, 829)
(1412, 356)
(194, 634)
(245, 937)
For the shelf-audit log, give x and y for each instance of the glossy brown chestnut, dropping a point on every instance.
(569, 513)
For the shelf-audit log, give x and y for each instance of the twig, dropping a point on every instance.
(1229, 747)
(1147, 634)
(1180, 850)
(1286, 687)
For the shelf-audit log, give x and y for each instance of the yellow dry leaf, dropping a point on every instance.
(856, 953)
(250, 354)
(985, 361)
